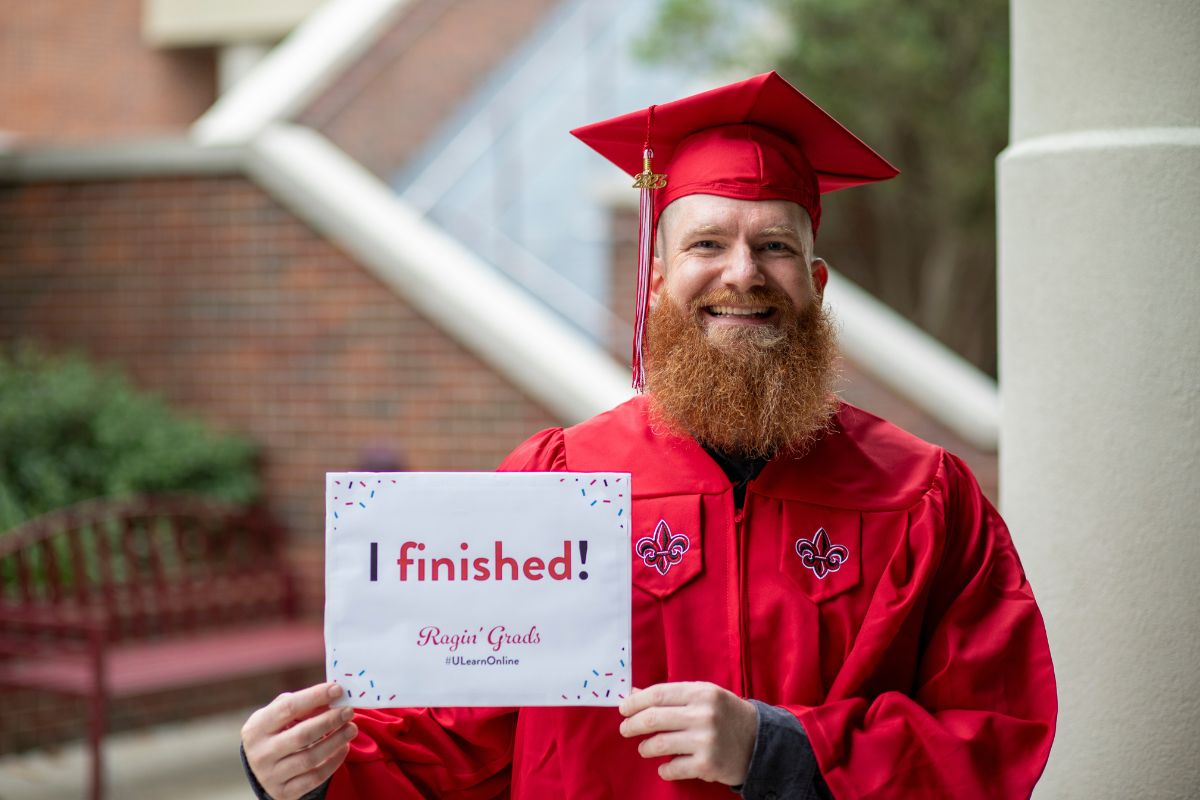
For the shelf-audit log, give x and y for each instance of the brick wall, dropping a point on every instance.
(207, 291)
(387, 105)
(77, 69)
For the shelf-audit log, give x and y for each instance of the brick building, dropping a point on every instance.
(202, 286)
(254, 268)
(121, 239)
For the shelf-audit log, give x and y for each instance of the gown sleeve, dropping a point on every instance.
(460, 753)
(980, 718)
(543, 452)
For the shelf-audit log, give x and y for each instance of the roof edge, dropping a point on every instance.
(153, 157)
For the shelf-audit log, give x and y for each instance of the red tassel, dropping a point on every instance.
(645, 250)
(648, 182)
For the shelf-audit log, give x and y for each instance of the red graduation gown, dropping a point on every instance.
(917, 663)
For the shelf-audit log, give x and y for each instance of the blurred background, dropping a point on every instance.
(174, 321)
(246, 243)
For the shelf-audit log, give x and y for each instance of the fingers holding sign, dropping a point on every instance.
(710, 730)
(296, 742)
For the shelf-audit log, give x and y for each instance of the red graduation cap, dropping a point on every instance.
(759, 139)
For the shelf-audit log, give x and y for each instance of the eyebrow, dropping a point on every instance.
(774, 230)
(780, 230)
(704, 230)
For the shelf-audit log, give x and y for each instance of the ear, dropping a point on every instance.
(657, 278)
(820, 276)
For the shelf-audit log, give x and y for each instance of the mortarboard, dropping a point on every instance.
(759, 139)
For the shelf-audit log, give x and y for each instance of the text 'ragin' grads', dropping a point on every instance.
(415, 566)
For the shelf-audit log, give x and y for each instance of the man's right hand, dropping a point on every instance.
(297, 741)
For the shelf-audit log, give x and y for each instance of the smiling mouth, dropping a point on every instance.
(739, 312)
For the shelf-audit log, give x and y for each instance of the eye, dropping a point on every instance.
(777, 247)
(704, 244)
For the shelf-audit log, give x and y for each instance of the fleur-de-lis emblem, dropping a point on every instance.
(663, 549)
(820, 555)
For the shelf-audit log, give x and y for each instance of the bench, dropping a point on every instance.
(113, 599)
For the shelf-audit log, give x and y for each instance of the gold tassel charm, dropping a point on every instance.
(647, 178)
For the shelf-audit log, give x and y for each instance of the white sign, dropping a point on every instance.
(478, 589)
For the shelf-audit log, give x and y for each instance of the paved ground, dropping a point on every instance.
(185, 761)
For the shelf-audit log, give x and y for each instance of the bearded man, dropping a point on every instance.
(824, 605)
(741, 350)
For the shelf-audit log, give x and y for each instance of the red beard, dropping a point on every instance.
(747, 390)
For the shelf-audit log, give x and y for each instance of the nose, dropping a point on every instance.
(741, 271)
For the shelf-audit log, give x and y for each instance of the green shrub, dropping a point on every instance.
(70, 431)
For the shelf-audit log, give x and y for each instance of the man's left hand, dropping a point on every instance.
(709, 729)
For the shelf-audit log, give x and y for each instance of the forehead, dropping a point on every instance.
(696, 211)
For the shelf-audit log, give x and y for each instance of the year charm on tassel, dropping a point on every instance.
(647, 178)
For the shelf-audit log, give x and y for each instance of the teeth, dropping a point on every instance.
(737, 312)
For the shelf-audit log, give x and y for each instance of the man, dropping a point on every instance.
(823, 606)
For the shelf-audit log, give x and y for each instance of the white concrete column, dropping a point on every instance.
(1099, 211)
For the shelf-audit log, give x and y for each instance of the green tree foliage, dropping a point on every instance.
(926, 84)
(70, 432)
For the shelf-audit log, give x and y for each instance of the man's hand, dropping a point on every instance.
(711, 730)
(297, 741)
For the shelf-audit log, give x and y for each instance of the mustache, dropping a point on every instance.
(757, 296)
